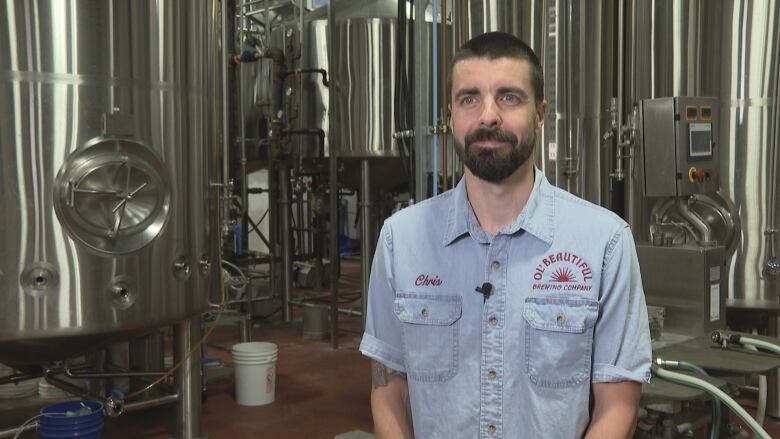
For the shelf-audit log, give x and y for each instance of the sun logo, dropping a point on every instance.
(563, 275)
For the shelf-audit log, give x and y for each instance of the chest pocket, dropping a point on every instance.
(430, 334)
(559, 340)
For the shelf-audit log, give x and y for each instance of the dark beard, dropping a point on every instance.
(495, 164)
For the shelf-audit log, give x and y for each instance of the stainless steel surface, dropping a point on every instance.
(336, 311)
(363, 106)
(621, 89)
(185, 335)
(688, 281)
(703, 230)
(522, 18)
(731, 50)
(717, 212)
(421, 104)
(367, 238)
(671, 146)
(115, 98)
(755, 304)
(150, 403)
(285, 241)
(578, 59)
(333, 136)
(315, 323)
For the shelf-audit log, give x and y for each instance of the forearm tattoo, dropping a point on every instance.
(381, 374)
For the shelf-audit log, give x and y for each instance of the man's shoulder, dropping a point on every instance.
(586, 214)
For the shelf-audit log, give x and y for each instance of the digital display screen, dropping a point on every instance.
(700, 140)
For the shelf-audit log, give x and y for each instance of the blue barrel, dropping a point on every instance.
(72, 419)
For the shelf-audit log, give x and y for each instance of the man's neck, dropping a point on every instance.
(497, 205)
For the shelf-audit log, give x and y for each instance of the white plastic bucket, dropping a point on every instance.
(255, 369)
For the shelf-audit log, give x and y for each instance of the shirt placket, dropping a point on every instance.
(492, 364)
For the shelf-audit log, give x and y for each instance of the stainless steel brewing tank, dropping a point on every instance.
(728, 49)
(523, 18)
(363, 81)
(108, 129)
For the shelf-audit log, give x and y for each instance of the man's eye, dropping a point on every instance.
(467, 100)
(512, 99)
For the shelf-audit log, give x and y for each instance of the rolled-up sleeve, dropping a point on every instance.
(621, 345)
(382, 340)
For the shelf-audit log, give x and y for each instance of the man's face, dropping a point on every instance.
(494, 115)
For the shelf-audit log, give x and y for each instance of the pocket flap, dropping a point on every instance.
(561, 314)
(427, 309)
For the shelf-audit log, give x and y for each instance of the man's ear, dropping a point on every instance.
(541, 113)
(449, 116)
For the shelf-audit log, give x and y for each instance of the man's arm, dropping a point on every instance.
(390, 403)
(615, 410)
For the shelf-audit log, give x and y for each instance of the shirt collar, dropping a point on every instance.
(536, 217)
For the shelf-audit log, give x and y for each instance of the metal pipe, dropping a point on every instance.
(185, 334)
(300, 241)
(150, 403)
(286, 241)
(366, 235)
(333, 180)
(88, 375)
(435, 100)
(421, 104)
(251, 3)
(347, 311)
(273, 228)
(619, 173)
(242, 125)
(66, 386)
(695, 220)
(15, 378)
(225, 110)
(444, 97)
(568, 53)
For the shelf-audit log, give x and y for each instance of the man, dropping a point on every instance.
(496, 309)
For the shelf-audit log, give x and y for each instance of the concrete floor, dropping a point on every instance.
(320, 393)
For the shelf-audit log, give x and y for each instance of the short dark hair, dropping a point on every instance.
(494, 45)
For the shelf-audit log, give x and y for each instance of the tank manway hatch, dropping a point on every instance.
(113, 195)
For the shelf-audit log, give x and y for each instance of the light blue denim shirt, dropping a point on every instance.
(567, 309)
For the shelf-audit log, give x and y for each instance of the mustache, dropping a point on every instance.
(498, 135)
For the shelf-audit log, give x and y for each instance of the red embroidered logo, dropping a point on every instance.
(563, 275)
(563, 271)
(424, 280)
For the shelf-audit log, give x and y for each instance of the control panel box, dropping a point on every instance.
(679, 146)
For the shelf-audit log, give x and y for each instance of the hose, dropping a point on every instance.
(762, 387)
(716, 411)
(715, 392)
(765, 345)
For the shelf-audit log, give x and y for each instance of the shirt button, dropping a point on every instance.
(492, 375)
(493, 321)
(491, 429)
(425, 312)
(561, 319)
(495, 265)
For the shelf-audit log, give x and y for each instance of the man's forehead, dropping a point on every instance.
(472, 72)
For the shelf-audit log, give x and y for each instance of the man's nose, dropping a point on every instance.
(490, 117)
